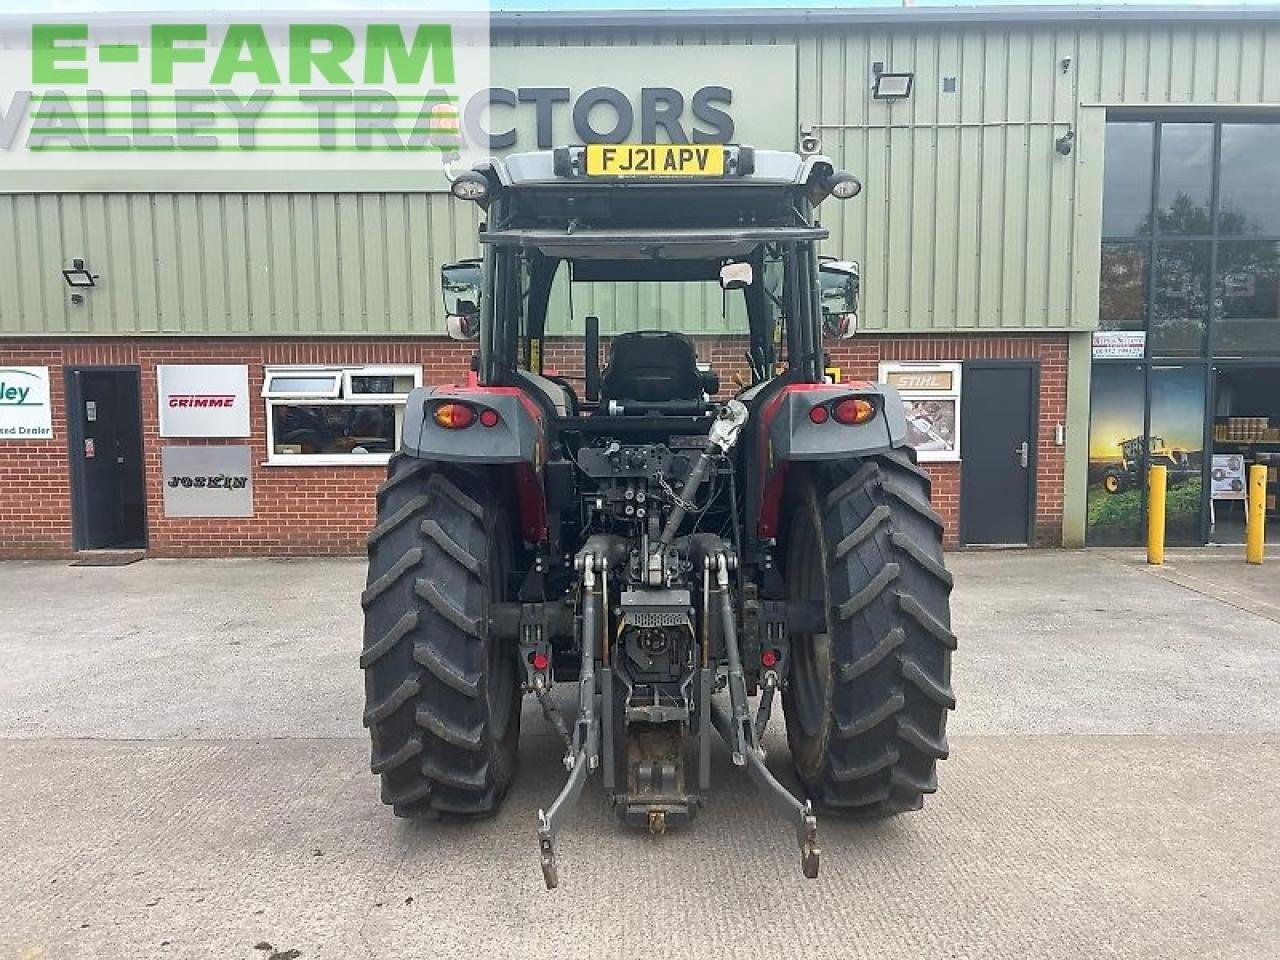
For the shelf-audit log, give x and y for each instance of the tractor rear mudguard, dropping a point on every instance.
(505, 429)
(514, 431)
(788, 431)
(791, 431)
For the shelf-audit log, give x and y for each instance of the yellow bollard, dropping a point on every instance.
(1255, 528)
(1157, 484)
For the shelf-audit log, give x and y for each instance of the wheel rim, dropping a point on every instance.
(811, 655)
(1112, 484)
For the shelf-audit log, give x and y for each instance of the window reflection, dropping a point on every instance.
(1186, 178)
(1180, 299)
(334, 429)
(1248, 196)
(1248, 285)
(1126, 204)
(1123, 295)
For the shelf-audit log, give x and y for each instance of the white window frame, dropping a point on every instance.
(341, 397)
(350, 373)
(282, 372)
(952, 367)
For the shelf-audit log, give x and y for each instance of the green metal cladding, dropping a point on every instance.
(970, 220)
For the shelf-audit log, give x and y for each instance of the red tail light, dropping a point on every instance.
(853, 410)
(818, 414)
(489, 418)
(454, 416)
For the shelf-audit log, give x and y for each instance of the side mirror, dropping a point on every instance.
(840, 288)
(461, 284)
(736, 276)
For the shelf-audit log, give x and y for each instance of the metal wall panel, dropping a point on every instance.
(970, 220)
(216, 264)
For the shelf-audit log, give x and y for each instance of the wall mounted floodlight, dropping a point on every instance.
(892, 86)
(1064, 142)
(78, 276)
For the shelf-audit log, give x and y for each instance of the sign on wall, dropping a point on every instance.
(931, 401)
(207, 481)
(25, 408)
(1119, 344)
(203, 400)
(541, 98)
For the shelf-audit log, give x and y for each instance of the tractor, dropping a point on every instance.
(1119, 477)
(666, 544)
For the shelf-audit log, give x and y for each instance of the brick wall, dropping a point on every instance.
(298, 510)
(327, 510)
(859, 358)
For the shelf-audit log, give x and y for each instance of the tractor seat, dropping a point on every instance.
(653, 365)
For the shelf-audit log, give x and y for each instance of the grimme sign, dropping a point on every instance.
(203, 400)
(25, 410)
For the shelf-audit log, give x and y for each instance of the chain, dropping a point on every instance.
(675, 497)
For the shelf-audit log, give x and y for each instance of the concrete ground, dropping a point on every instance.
(185, 775)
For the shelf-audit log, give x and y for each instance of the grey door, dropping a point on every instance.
(106, 458)
(997, 452)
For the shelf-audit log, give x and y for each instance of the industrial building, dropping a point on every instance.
(1068, 239)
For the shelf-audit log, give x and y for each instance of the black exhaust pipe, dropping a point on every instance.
(591, 362)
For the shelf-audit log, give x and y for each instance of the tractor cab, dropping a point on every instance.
(726, 247)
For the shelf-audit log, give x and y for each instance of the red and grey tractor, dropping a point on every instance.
(668, 544)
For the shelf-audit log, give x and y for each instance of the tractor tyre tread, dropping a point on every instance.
(426, 639)
(890, 638)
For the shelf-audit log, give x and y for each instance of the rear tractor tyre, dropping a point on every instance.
(866, 702)
(442, 696)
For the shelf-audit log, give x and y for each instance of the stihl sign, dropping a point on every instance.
(203, 400)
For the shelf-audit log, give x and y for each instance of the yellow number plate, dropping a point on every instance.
(654, 160)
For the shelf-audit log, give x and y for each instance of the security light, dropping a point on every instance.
(892, 86)
(78, 276)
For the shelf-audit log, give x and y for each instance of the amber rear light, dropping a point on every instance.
(454, 416)
(853, 410)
